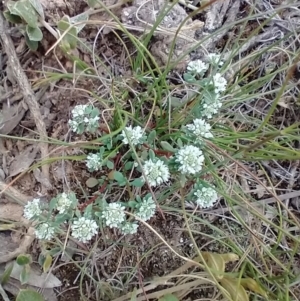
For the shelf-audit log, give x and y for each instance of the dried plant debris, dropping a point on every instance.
(36, 281)
(23, 161)
(10, 117)
(144, 14)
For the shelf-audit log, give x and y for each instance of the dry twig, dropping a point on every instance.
(26, 89)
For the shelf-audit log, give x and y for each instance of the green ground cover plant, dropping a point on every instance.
(152, 151)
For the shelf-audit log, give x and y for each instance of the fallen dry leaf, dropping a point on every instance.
(23, 161)
(40, 177)
(13, 286)
(36, 277)
(7, 244)
(10, 118)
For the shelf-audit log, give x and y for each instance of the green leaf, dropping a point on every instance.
(175, 101)
(69, 40)
(34, 34)
(151, 154)
(188, 77)
(168, 297)
(118, 176)
(92, 3)
(41, 259)
(29, 295)
(24, 259)
(179, 142)
(52, 204)
(33, 45)
(10, 5)
(128, 165)
(38, 7)
(24, 9)
(47, 263)
(110, 164)
(91, 182)
(24, 276)
(54, 251)
(215, 262)
(6, 275)
(61, 218)
(88, 211)
(12, 18)
(137, 183)
(131, 204)
(167, 146)
(253, 286)
(234, 288)
(182, 180)
(229, 257)
(133, 294)
(151, 137)
(83, 17)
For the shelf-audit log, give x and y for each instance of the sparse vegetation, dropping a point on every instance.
(175, 180)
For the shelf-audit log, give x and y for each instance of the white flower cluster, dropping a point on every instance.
(63, 203)
(197, 67)
(190, 159)
(44, 231)
(211, 108)
(199, 129)
(94, 162)
(146, 209)
(156, 172)
(84, 229)
(84, 118)
(79, 111)
(205, 196)
(129, 228)
(215, 59)
(114, 215)
(220, 83)
(32, 209)
(133, 135)
(211, 102)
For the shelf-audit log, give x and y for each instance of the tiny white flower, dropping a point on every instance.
(114, 215)
(215, 59)
(220, 83)
(190, 159)
(134, 135)
(32, 209)
(147, 209)
(84, 118)
(201, 129)
(197, 66)
(206, 197)
(73, 125)
(63, 203)
(94, 162)
(156, 172)
(129, 228)
(79, 111)
(210, 109)
(44, 231)
(84, 229)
